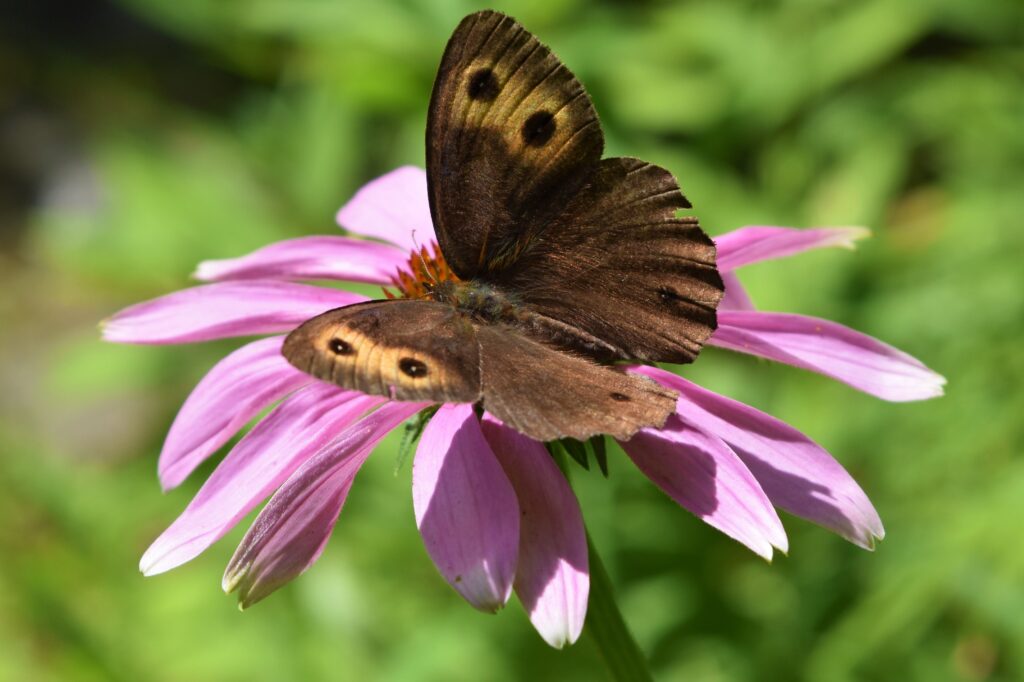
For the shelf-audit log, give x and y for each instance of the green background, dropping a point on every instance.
(139, 137)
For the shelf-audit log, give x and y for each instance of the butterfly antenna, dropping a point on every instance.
(421, 254)
(429, 279)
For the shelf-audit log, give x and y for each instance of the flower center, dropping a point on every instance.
(426, 269)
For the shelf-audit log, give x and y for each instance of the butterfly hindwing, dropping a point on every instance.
(404, 350)
(547, 393)
(617, 275)
(511, 135)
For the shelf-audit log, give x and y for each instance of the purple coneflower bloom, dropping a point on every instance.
(495, 512)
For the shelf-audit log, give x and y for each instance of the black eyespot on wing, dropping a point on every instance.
(538, 129)
(412, 367)
(619, 397)
(483, 85)
(340, 346)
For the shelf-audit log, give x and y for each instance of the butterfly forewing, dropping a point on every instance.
(405, 350)
(511, 135)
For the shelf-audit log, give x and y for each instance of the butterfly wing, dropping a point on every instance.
(520, 198)
(511, 135)
(590, 250)
(405, 350)
(419, 350)
(547, 393)
(616, 275)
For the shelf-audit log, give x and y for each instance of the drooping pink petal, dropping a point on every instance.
(736, 296)
(831, 349)
(701, 473)
(259, 463)
(233, 392)
(322, 257)
(393, 207)
(466, 509)
(797, 474)
(757, 243)
(290, 533)
(552, 578)
(216, 311)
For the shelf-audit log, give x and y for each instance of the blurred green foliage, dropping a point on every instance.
(140, 137)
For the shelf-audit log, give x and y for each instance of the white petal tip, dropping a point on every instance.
(150, 569)
(157, 560)
(235, 581)
(206, 271)
(850, 235)
(108, 330)
(557, 642)
(558, 635)
(767, 550)
(925, 390)
(870, 543)
(231, 580)
(113, 330)
(761, 547)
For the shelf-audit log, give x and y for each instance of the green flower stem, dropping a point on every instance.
(607, 629)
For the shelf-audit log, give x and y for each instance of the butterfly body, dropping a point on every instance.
(560, 261)
(478, 299)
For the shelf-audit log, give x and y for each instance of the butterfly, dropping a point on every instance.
(563, 262)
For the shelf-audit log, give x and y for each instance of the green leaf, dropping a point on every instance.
(597, 445)
(577, 450)
(411, 432)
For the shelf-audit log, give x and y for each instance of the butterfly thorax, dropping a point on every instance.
(428, 276)
(478, 299)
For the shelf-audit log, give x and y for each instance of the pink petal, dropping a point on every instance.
(216, 311)
(704, 475)
(290, 533)
(466, 509)
(552, 578)
(736, 296)
(237, 389)
(324, 257)
(261, 461)
(797, 474)
(757, 243)
(831, 349)
(394, 207)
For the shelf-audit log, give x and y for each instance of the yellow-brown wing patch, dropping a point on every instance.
(404, 350)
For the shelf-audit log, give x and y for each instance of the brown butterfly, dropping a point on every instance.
(564, 260)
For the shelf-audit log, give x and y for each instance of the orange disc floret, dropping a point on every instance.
(426, 269)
